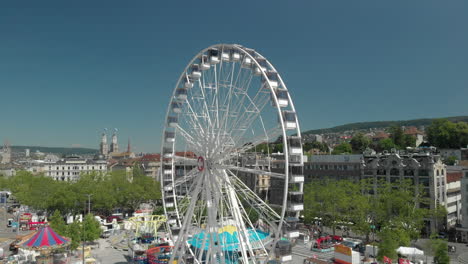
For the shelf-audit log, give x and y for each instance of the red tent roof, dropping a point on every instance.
(45, 238)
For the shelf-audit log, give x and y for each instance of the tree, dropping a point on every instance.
(359, 143)
(91, 228)
(386, 144)
(323, 147)
(410, 141)
(74, 233)
(388, 245)
(445, 134)
(451, 160)
(57, 223)
(343, 148)
(397, 136)
(439, 248)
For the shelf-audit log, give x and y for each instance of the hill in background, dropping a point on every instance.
(383, 124)
(56, 150)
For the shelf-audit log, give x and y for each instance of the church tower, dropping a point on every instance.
(114, 147)
(104, 148)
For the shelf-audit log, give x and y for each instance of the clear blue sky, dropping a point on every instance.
(70, 68)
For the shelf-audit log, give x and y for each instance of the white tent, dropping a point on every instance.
(409, 251)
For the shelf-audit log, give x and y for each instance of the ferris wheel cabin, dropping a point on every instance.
(181, 94)
(291, 228)
(272, 79)
(296, 174)
(176, 107)
(295, 201)
(235, 55)
(225, 55)
(204, 63)
(167, 152)
(263, 67)
(172, 121)
(169, 136)
(282, 97)
(289, 118)
(188, 83)
(196, 73)
(213, 55)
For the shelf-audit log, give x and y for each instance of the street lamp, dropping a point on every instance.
(89, 202)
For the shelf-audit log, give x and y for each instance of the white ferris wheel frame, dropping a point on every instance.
(253, 55)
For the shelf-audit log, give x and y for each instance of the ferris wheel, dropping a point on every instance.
(229, 194)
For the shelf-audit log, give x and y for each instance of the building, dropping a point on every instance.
(6, 153)
(421, 168)
(151, 164)
(337, 167)
(70, 169)
(413, 131)
(114, 147)
(454, 202)
(103, 147)
(462, 229)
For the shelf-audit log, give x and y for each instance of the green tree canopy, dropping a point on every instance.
(107, 191)
(445, 134)
(439, 247)
(359, 143)
(343, 148)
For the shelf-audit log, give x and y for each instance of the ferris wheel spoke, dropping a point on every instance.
(249, 115)
(245, 145)
(256, 203)
(254, 171)
(191, 142)
(194, 122)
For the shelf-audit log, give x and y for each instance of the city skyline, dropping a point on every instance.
(70, 69)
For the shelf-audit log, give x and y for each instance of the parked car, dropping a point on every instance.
(10, 222)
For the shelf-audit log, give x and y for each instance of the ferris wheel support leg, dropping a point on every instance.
(183, 231)
(244, 235)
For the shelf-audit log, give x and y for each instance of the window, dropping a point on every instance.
(381, 172)
(437, 172)
(424, 181)
(409, 172)
(423, 172)
(394, 172)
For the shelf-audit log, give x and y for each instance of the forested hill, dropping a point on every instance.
(56, 150)
(383, 124)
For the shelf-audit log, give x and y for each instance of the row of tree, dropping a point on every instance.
(397, 140)
(388, 210)
(107, 192)
(445, 134)
(442, 133)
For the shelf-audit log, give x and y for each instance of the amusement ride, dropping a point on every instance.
(228, 105)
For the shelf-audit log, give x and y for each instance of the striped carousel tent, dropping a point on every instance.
(46, 238)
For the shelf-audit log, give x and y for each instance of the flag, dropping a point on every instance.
(387, 260)
(404, 261)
